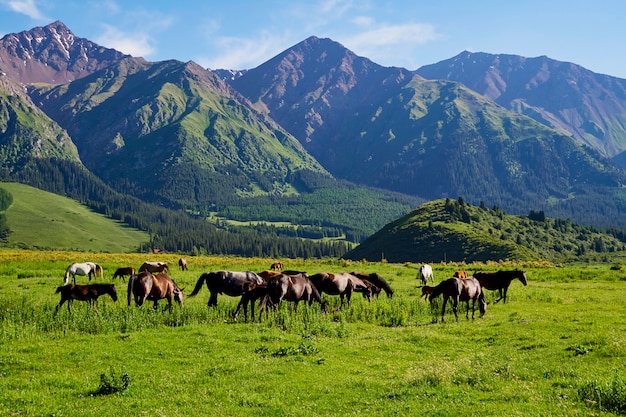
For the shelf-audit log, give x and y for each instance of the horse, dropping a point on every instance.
(182, 263)
(377, 280)
(122, 272)
(86, 269)
(154, 267)
(154, 287)
(276, 266)
(231, 283)
(425, 273)
(88, 293)
(500, 281)
(460, 289)
(267, 274)
(294, 288)
(426, 291)
(342, 284)
(460, 274)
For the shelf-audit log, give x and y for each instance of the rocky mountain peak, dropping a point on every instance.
(52, 54)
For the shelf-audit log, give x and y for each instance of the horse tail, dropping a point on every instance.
(198, 286)
(131, 283)
(99, 271)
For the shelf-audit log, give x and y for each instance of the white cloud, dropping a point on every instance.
(243, 53)
(27, 7)
(412, 33)
(136, 44)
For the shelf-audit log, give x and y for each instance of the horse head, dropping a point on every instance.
(522, 277)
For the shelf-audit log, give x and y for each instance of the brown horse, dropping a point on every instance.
(88, 293)
(122, 272)
(460, 289)
(460, 274)
(154, 287)
(342, 284)
(182, 263)
(377, 280)
(276, 266)
(426, 291)
(500, 281)
(294, 288)
(154, 267)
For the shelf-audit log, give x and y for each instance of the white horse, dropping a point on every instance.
(425, 273)
(86, 269)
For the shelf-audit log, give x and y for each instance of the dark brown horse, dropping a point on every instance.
(460, 289)
(88, 293)
(231, 283)
(342, 284)
(294, 288)
(153, 287)
(276, 266)
(377, 280)
(500, 281)
(154, 267)
(122, 272)
(182, 263)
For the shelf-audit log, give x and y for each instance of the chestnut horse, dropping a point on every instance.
(377, 280)
(88, 293)
(460, 274)
(154, 267)
(500, 281)
(154, 287)
(294, 288)
(276, 266)
(342, 284)
(122, 272)
(182, 263)
(460, 289)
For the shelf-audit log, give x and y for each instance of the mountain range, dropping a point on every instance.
(514, 132)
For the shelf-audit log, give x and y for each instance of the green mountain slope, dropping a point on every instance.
(450, 230)
(174, 133)
(42, 220)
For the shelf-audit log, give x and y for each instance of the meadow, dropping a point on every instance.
(556, 348)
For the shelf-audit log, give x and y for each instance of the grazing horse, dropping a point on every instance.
(276, 266)
(154, 287)
(500, 281)
(88, 293)
(182, 262)
(230, 283)
(460, 274)
(460, 289)
(377, 280)
(294, 288)
(154, 267)
(86, 269)
(425, 273)
(342, 284)
(426, 291)
(122, 272)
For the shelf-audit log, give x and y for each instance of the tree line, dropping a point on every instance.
(169, 230)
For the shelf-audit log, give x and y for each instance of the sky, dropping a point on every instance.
(243, 34)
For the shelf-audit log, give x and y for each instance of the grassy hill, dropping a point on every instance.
(450, 230)
(42, 220)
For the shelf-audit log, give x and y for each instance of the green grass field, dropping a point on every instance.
(42, 220)
(557, 348)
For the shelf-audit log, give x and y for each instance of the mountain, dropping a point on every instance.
(389, 128)
(562, 95)
(52, 55)
(176, 133)
(448, 230)
(27, 132)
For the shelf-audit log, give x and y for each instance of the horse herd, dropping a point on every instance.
(273, 286)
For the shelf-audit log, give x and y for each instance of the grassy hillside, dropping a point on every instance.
(42, 220)
(450, 230)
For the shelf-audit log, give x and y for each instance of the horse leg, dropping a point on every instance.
(443, 309)
(213, 299)
(455, 307)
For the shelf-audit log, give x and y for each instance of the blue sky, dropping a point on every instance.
(242, 34)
